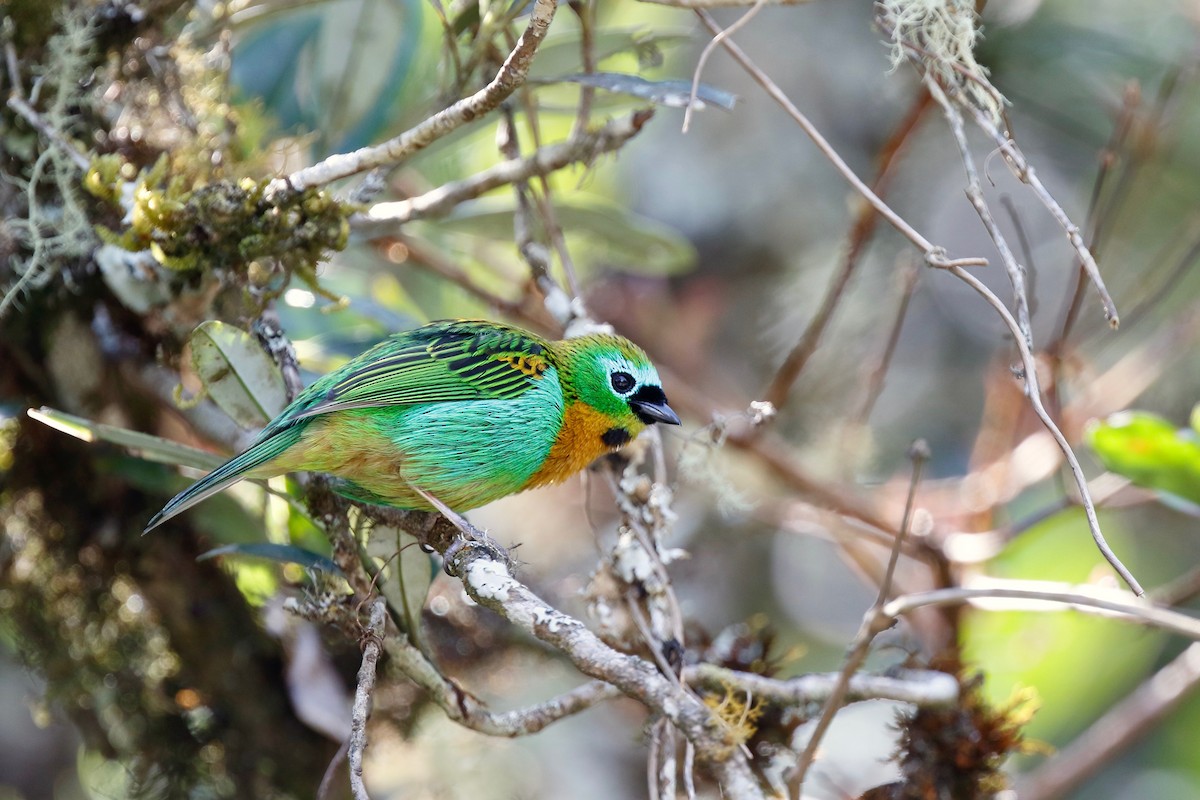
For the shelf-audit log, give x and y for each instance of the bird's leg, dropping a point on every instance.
(468, 534)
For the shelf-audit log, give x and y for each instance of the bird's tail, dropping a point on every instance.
(227, 474)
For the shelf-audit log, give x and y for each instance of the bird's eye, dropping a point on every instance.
(622, 382)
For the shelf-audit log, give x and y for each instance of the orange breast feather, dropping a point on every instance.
(579, 443)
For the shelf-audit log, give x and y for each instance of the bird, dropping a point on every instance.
(463, 411)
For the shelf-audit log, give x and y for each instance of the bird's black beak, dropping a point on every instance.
(650, 405)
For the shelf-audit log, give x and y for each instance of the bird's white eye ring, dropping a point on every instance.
(622, 382)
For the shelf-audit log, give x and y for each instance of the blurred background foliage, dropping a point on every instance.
(712, 249)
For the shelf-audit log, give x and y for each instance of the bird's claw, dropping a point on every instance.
(465, 541)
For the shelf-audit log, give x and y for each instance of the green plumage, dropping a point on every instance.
(468, 411)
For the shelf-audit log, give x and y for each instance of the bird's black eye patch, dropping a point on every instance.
(622, 382)
(615, 437)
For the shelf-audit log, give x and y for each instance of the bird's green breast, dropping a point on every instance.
(465, 453)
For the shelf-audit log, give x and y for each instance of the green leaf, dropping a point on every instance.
(1079, 664)
(151, 448)
(613, 237)
(237, 374)
(1150, 451)
(280, 553)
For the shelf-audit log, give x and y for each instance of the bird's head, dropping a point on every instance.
(615, 377)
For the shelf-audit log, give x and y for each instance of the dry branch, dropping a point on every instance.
(510, 76)
(919, 687)
(934, 255)
(488, 581)
(1088, 599)
(873, 623)
(445, 198)
(1035, 399)
(372, 647)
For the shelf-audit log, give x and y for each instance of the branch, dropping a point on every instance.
(442, 200)
(934, 255)
(488, 581)
(927, 688)
(372, 646)
(1024, 172)
(511, 75)
(1088, 599)
(860, 234)
(1035, 399)
(1016, 272)
(873, 623)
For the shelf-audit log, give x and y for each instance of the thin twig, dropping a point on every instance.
(871, 624)
(974, 189)
(860, 234)
(1088, 599)
(934, 255)
(372, 647)
(18, 104)
(448, 196)
(585, 12)
(1109, 156)
(1025, 173)
(877, 375)
(708, 51)
(511, 76)
(1035, 399)
(1119, 728)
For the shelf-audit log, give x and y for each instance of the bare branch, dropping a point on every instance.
(920, 687)
(1016, 272)
(708, 50)
(372, 646)
(873, 622)
(1035, 399)
(488, 581)
(1088, 599)
(934, 255)
(1020, 167)
(511, 76)
(445, 198)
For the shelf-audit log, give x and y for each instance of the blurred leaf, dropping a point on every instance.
(1078, 663)
(267, 61)
(238, 375)
(1150, 451)
(341, 71)
(614, 237)
(380, 106)
(280, 553)
(560, 52)
(407, 587)
(672, 93)
(151, 448)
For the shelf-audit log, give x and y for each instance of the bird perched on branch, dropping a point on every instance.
(466, 411)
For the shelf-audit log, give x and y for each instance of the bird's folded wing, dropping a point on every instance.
(461, 360)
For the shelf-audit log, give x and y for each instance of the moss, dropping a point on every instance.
(957, 752)
(219, 224)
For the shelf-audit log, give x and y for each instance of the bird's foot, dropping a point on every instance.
(470, 539)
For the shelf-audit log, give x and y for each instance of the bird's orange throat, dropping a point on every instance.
(586, 434)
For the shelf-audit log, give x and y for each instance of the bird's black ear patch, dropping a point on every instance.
(615, 437)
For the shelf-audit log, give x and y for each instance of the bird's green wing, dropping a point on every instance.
(440, 362)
